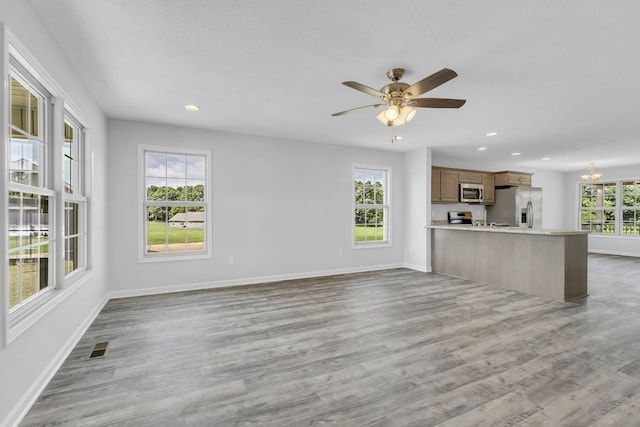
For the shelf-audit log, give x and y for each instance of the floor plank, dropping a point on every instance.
(388, 348)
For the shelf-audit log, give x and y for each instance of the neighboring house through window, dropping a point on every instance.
(46, 204)
(175, 207)
(31, 194)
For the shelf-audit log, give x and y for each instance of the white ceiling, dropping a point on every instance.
(556, 78)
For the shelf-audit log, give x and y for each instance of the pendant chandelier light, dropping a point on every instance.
(592, 175)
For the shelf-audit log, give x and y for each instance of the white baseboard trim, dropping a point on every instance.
(619, 253)
(416, 267)
(31, 395)
(243, 282)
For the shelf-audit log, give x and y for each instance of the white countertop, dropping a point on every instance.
(513, 230)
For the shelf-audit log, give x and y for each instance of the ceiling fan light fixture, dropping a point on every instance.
(410, 112)
(392, 112)
(383, 119)
(398, 97)
(405, 115)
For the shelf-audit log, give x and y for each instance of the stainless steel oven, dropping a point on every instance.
(454, 217)
(471, 193)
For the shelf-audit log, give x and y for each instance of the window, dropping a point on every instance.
(75, 234)
(610, 207)
(598, 207)
(27, 164)
(370, 206)
(631, 207)
(45, 203)
(175, 208)
(31, 196)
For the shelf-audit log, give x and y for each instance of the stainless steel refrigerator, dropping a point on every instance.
(517, 207)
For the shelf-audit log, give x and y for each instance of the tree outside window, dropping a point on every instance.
(611, 207)
(175, 203)
(631, 207)
(371, 208)
(598, 207)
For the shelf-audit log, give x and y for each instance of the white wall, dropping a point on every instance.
(416, 194)
(617, 245)
(27, 362)
(281, 208)
(552, 184)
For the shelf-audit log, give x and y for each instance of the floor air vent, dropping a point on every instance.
(99, 350)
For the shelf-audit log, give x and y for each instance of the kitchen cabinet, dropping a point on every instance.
(488, 182)
(448, 186)
(444, 185)
(469, 177)
(510, 179)
(435, 185)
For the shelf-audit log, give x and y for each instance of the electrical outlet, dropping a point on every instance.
(232, 260)
(339, 252)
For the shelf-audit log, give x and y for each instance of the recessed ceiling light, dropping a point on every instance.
(482, 148)
(492, 133)
(191, 107)
(515, 154)
(546, 158)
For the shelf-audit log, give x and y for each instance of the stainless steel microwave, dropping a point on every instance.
(471, 193)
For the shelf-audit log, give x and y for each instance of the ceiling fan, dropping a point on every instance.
(399, 97)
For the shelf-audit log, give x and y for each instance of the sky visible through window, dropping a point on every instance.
(370, 175)
(174, 170)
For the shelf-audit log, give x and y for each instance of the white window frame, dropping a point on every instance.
(45, 185)
(618, 209)
(19, 319)
(78, 197)
(143, 255)
(385, 206)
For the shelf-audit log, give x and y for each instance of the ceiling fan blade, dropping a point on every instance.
(436, 103)
(366, 89)
(341, 113)
(429, 83)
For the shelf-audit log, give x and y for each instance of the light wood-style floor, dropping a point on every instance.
(390, 348)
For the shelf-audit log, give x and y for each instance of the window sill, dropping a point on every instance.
(174, 257)
(22, 320)
(614, 236)
(371, 245)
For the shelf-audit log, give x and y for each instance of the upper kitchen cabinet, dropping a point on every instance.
(512, 179)
(444, 185)
(448, 186)
(488, 183)
(435, 185)
(469, 177)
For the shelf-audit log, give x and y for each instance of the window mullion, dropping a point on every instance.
(180, 203)
(618, 209)
(55, 157)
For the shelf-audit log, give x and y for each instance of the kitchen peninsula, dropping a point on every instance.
(544, 262)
